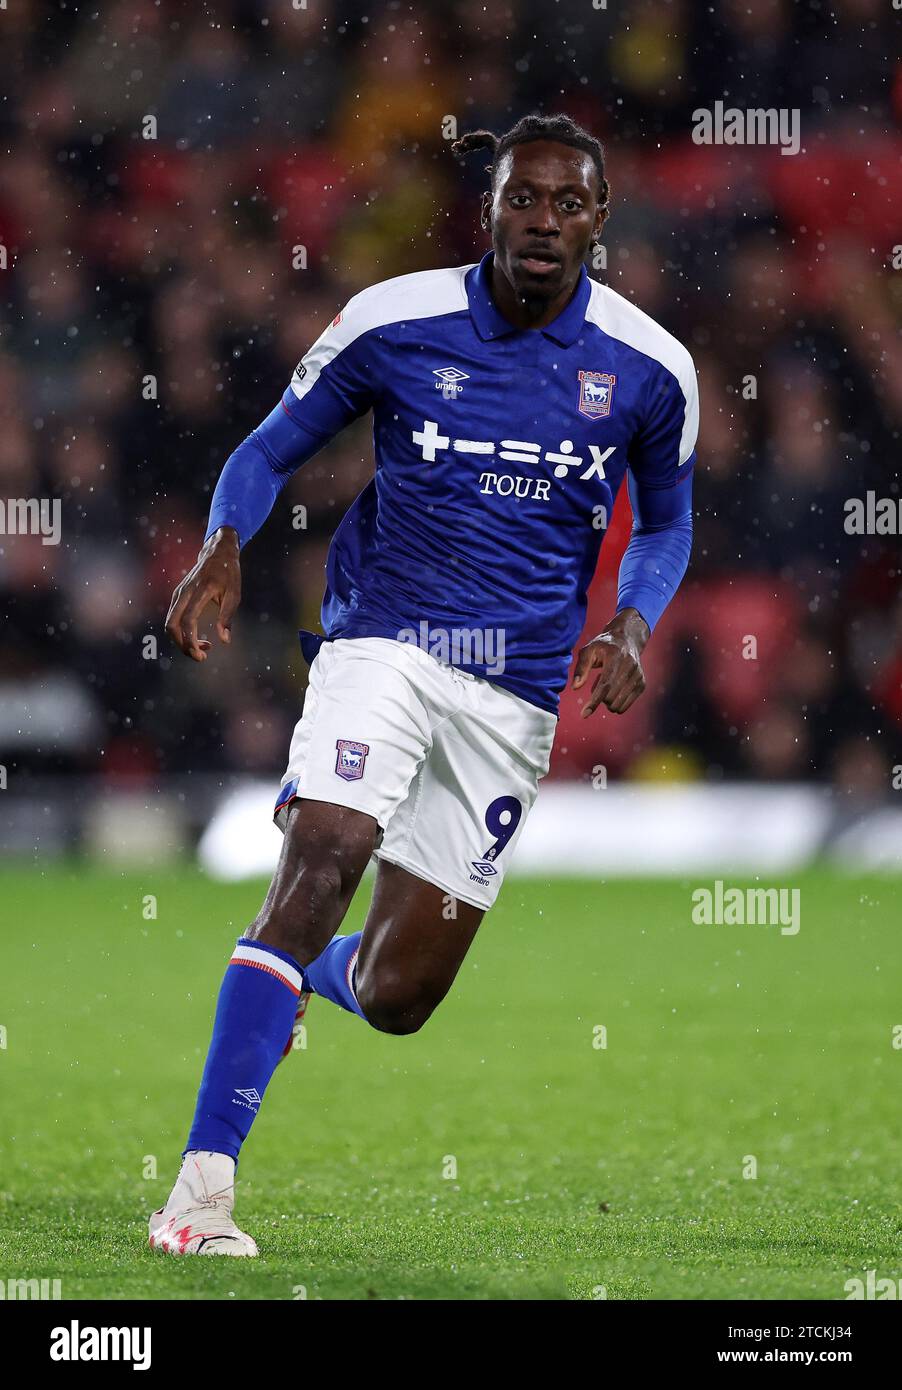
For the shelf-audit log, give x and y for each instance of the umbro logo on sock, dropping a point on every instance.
(253, 1095)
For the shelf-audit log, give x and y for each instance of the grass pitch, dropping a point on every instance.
(500, 1153)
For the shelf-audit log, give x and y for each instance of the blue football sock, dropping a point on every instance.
(332, 973)
(255, 1014)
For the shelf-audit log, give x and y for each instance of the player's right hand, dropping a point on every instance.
(216, 578)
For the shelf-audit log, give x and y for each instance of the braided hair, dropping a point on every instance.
(561, 129)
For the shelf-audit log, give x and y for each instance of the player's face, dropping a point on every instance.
(544, 216)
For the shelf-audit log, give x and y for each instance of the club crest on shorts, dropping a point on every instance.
(351, 759)
(596, 392)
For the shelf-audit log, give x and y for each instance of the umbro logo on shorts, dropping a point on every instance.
(252, 1095)
(351, 759)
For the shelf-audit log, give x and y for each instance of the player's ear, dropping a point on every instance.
(485, 212)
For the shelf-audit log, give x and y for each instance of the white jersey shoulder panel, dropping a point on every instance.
(622, 320)
(424, 294)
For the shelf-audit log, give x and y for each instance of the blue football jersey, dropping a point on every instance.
(499, 454)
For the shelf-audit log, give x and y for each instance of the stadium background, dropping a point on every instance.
(322, 127)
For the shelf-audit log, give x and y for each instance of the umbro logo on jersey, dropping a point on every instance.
(596, 394)
(449, 379)
(252, 1095)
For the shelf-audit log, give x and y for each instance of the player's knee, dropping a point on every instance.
(297, 904)
(393, 1004)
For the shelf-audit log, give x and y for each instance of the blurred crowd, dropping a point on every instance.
(153, 304)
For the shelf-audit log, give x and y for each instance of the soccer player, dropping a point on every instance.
(510, 399)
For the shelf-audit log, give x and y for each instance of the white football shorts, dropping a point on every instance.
(447, 763)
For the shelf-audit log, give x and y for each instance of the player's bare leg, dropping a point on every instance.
(324, 853)
(405, 960)
(398, 969)
(410, 950)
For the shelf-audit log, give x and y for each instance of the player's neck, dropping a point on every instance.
(528, 313)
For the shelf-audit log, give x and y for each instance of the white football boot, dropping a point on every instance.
(197, 1219)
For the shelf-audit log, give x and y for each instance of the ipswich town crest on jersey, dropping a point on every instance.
(351, 759)
(596, 391)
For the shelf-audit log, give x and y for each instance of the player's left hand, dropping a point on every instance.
(615, 654)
